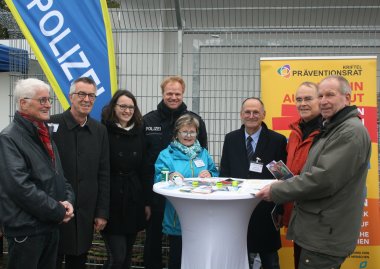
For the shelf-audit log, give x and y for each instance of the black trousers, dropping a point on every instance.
(1, 246)
(175, 251)
(33, 252)
(119, 250)
(153, 241)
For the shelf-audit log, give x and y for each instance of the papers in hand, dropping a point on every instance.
(275, 217)
(279, 170)
(253, 186)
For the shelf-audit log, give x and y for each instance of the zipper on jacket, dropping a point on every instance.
(175, 219)
(175, 212)
(191, 168)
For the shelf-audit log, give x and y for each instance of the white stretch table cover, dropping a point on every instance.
(214, 226)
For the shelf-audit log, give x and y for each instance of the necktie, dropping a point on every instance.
(249, 148)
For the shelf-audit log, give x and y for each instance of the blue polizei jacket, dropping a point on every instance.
(176, 161)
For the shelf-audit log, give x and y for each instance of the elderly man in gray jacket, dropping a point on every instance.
(330, 191)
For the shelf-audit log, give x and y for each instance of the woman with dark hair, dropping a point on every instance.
(129, 203)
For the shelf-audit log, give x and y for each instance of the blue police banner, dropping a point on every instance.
(70, 39)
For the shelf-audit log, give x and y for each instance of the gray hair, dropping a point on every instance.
(310, 85)
(185, 120)
(344, 88)
(252, 98)
(85, 80)
(27, 88)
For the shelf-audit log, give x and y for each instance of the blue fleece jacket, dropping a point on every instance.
(176, 161)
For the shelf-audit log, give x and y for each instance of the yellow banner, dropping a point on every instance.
(280, 77)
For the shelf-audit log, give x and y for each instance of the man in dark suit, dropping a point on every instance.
(246, 152)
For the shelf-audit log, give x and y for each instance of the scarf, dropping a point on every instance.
(43, 134)
(308, 127)
(191, 151)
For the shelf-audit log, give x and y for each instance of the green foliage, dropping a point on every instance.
(3, 5)
(113, 4)
(4, 31)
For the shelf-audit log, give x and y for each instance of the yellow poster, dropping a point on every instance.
(280, 77)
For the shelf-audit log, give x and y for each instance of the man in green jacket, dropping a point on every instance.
(331, 188)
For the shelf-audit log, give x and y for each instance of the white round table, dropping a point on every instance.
(214, 226)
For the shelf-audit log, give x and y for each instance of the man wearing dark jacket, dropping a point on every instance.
(83, 146)
(34, 195)
(246, 152)
(158, 128)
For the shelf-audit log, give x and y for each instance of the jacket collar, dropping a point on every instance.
(112, 127)
(171, 113)
(307, 128)
(30, 128)
(312, 128)
(72, 124)
(341, 116)
(27, 125)
(261, 143)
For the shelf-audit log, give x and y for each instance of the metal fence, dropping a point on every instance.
(216, 46)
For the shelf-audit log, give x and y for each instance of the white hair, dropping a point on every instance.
(27, 88)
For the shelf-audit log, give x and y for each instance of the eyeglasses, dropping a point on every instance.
(306, 99)
(42, 100)
(82, 95)
(126, 107)
(248, 113)
(190, 134)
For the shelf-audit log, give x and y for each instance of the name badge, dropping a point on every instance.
(199, 163)
(256, 167)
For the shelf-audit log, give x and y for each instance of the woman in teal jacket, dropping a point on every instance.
(184, 157)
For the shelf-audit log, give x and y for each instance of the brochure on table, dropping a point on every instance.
(217, 184)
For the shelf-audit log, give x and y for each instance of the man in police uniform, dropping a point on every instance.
(159, 126)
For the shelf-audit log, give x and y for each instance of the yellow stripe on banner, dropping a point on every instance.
(41, 59)
(110, 47)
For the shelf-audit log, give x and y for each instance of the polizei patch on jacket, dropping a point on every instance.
(153, 129)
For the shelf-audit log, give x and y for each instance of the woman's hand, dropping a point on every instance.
(204, 173)
(175, 174)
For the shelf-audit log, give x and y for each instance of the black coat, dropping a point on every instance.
(130, 186)
(262, 235)
(31, 185)
(84, 153)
